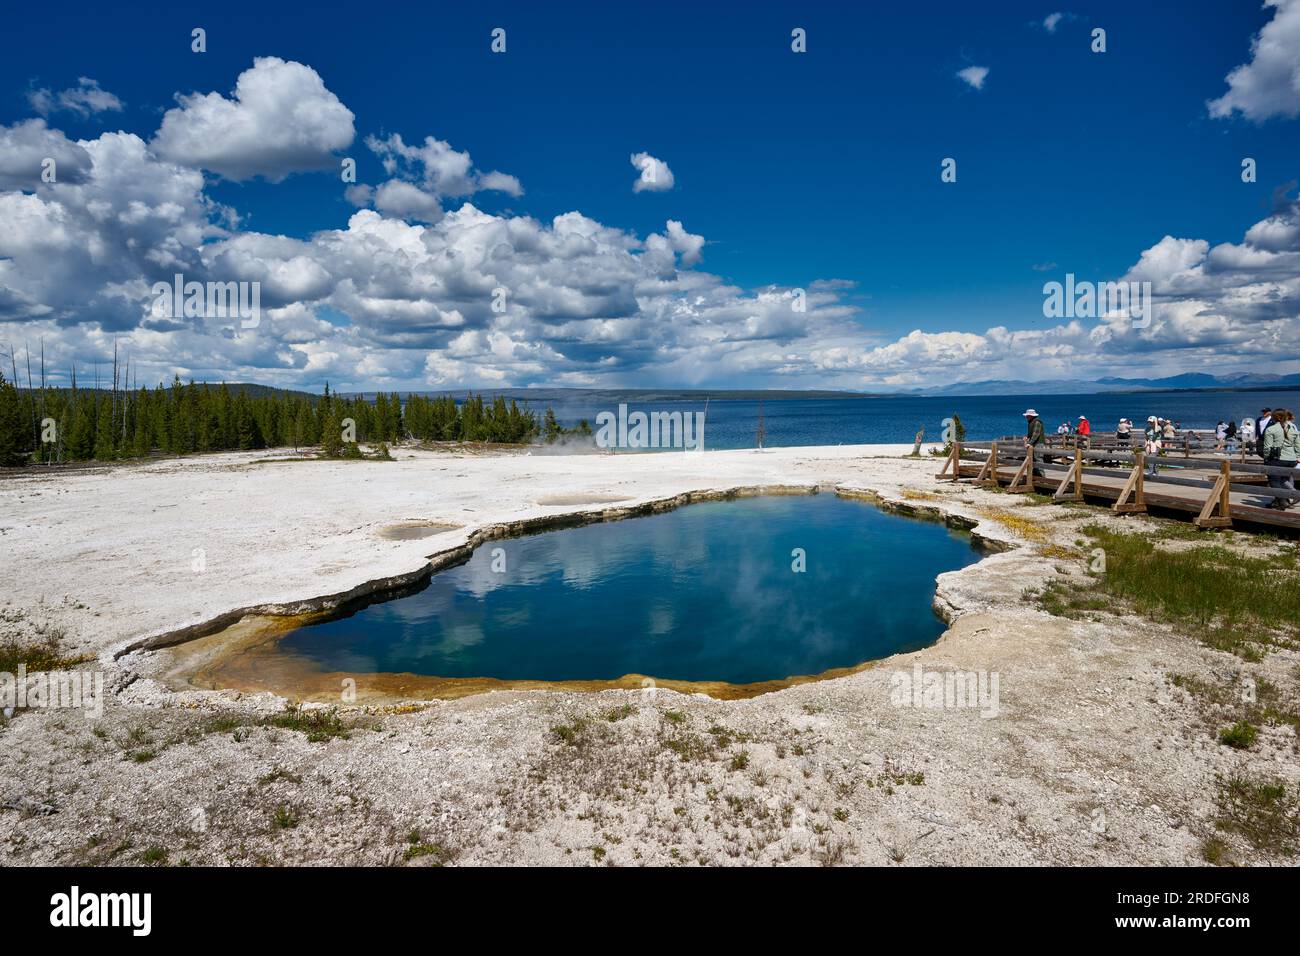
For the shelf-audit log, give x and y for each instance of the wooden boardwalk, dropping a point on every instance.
(1215, 490)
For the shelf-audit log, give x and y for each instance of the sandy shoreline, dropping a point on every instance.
(1089, 727)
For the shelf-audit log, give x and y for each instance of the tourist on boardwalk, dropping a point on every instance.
(1282, 449)
(1230, 436)
(1124, 433)
(1034, 434)
(1084, 432)
(1153, 436)
(1220, 435)
(1170, 432)
(1063, 428)
(1261, 425)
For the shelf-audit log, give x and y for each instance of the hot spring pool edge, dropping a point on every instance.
(272, 621)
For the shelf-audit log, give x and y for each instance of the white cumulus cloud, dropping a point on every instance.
(280, 120)
(1269, 85)
(655, 174)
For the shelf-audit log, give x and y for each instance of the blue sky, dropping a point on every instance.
(794, 168)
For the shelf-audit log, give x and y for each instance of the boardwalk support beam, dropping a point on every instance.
(1023, 480)
(1133, 488)
(1218, 501)
(1074, 476)
(953, 461)
(989, 472)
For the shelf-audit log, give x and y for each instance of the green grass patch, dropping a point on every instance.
(1241, 735)
(417, 848)
(1230, 601)
(618, 713)
(318, 725)
(37, 658)
(1264, 811)
(285, 817)
(572, 734)
(441, 855)
(154, 856)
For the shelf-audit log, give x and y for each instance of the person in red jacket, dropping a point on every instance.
(1084, 431)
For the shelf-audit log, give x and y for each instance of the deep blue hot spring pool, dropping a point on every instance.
(706, 592)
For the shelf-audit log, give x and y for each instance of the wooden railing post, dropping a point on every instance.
(1225, 499)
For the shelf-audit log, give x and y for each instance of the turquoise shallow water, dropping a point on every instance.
(706, 592)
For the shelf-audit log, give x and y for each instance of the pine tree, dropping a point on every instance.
(331, 438)
(11, 423)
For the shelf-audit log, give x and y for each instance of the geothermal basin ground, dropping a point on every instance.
(1104, 744)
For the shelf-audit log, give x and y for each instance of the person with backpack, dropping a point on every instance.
(1282, 450)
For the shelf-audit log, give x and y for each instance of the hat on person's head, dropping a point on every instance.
(1152, 418)
(1030, 413)
(1083, 418)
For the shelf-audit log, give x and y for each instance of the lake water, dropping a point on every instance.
(733, 423)
(705, 592)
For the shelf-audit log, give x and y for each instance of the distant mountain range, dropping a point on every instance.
(1190, 381)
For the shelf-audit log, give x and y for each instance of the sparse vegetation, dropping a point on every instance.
(1240, 735)
(318, 724)
(621, 712)
(571, 734)
(1230, 601)
(1266, 811)
(154, 856)
(285, 817)
(416, 848)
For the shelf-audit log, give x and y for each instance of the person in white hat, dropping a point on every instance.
(1154, 442)
(1084, 432)
(1035, 436)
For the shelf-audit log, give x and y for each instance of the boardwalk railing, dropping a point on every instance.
(1212, 487)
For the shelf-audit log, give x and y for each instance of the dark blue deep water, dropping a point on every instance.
(705, 592)
(733, 423)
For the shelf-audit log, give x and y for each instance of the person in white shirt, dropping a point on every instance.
(1261, 425)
